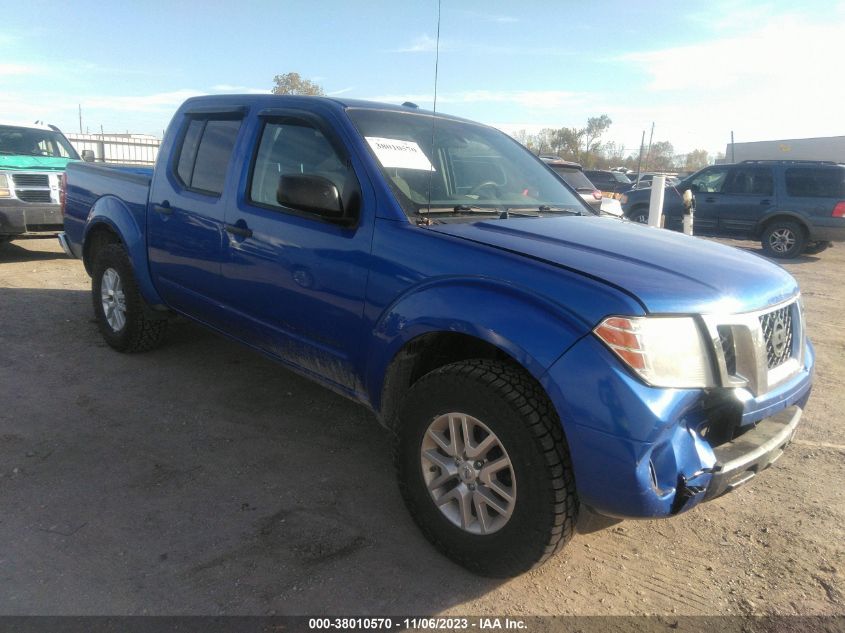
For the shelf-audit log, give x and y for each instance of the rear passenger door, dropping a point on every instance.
(186, 213)
(747, 195)
(297, 279)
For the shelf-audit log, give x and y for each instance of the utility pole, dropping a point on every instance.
(80, 118)
(648, 152)
(640, 161)
(733, 153)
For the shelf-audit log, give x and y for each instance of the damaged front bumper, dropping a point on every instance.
(645, 452)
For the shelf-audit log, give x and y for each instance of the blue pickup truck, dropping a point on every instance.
(532, 360)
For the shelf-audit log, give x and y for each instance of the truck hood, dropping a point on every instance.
(33, 163)
(667, 272)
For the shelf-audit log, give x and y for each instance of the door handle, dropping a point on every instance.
(163, 208)
(710, 199)
(240, 231)
(766, 202)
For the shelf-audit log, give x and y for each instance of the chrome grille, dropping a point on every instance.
(31, 180)
(777, 332)
(758, 350)
(33, 195)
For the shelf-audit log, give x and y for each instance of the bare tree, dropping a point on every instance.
(294, 84)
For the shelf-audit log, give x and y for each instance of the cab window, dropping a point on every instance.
(294, 147)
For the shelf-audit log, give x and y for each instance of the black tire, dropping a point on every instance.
(143, 329)
(814, 248)
(784, 239)
(639, 215)
(517, 411)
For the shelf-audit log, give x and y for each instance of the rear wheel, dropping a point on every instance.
(639, 215)
(484, 468)
(124, 319)
(784, 239)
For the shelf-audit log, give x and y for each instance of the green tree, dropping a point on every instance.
(696, 159)
(582, 145)
(591, 135)
(661, 157)
(294, 84)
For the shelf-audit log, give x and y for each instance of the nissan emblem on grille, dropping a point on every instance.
(777, 331)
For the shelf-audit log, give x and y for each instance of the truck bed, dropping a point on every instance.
(90, 184)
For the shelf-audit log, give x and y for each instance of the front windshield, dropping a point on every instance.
(469, 168)
(621, 177)
(25, 141)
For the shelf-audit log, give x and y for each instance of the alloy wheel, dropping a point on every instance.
(468, 473)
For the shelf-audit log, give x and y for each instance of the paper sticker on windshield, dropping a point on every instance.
(402, 154)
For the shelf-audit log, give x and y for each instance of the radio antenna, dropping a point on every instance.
(434, 105)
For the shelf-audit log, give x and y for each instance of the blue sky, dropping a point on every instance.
(697, 70)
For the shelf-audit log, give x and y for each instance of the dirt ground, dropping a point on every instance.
(204, 479)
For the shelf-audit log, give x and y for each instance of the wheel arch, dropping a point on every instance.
(787, 216)
(462, 320)
(111, 221)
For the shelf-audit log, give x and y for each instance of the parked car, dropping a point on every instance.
(645, 180)
(531, 359)
(573, 175)
(611, 183)
(32, 160)
(792, 207)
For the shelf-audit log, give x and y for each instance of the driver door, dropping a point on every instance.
(707, 187)
(297, 279)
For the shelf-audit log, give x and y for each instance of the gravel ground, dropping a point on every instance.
(204, 479)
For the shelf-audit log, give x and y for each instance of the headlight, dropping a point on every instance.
(663, 351)
(4, 186)
(623, 199)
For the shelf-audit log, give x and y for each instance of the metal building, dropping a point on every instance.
(820, 148)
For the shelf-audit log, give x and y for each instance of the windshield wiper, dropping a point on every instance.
(544, 208)
(460, 208)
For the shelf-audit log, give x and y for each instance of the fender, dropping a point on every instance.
(515, 320)
(115, 213)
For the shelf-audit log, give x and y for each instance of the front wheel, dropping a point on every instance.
(484, 468)
(123, 317)
(639, 215)
(783, 239)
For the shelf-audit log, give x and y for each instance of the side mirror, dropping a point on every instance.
(88, 155)
(314, 194)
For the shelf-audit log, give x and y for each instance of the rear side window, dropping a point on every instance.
(808, 182)
(205, 153)
(575, 178)
(599, 177)
(750, 181)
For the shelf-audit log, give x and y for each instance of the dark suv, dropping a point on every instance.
(573, 175)
(611, 183)
(792, 207)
